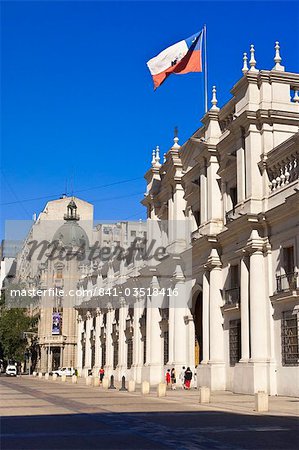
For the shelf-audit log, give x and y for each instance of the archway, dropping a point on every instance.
(197, 317)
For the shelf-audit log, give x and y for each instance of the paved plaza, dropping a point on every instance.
(39, 414)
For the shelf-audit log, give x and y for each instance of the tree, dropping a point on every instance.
(13, 323)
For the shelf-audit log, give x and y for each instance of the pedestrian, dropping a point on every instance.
(182, 377)
(173, 379)
(168, 377)
(187, 378)
(101, 374)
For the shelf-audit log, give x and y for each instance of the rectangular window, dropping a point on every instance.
(288, 259)
(103, 364)
(233, 196)
(166, 346)
(115, 354)
(290, 339)
(130, 353)
(234, 341)
(234, 276)
(288, 279)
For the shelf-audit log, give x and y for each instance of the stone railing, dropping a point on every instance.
(283, 173)
(283, 165)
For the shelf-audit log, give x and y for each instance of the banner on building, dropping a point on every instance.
(56, 323)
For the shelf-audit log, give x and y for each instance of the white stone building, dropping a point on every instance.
(231, 193)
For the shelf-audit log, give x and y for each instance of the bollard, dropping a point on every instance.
(46, 376)
(261, 401)
(161, 390)
(34, 374)
(63, 378)
(204, 394)
(54, 377)
(88, 381)
(96, 382)
(74, 379)
(112, 383)
(40, 375)
(131, 386)
(123, 384)
(145, 387)
(105, 383)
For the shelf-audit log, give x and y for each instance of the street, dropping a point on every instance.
(38, 414)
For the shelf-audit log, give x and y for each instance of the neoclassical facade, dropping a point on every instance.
(224, 206)
(66, 225)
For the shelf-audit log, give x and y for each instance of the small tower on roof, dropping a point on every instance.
(71, 211)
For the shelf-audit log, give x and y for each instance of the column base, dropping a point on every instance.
(136, 373)
(252, 376)
(212, 375)
(153, 373)
(121, 371)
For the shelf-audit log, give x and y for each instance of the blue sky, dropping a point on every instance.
(78, 101)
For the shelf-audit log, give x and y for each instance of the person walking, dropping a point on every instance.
(187, 378)
(168, 377)
(101, 374)
(182, 377)
(173, 379)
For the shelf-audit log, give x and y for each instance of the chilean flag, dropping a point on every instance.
(183, 57)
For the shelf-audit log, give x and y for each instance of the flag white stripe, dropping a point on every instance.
(165, 59)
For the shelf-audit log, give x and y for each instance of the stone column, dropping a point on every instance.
(122, 345)
(213, 374)
(244, 310)
(216, 319)
(205, 318)
(109, 344)
(154, 343)
(180, 328)
(213, 190)
(137, 344)
(79, 344)
(98, 348)
(203, 193)
(258, 309)
(87, 341)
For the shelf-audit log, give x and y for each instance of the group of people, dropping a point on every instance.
(185, 378)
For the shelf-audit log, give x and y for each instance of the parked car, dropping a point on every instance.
(11, 371)
(68, 371)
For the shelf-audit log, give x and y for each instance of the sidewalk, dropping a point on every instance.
(224, 401)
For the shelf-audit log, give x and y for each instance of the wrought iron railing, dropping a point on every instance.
(287, 282)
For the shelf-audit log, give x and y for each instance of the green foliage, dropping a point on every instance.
(13, 322)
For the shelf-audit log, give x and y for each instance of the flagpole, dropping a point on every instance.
(205, 69)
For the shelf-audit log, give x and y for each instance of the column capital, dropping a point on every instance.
(122, 302)
(178, 274)
(213, 260)
(255, 243)
(109, 307)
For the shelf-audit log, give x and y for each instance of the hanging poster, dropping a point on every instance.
(56, 323)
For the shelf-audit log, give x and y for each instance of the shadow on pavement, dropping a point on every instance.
(154, 430)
